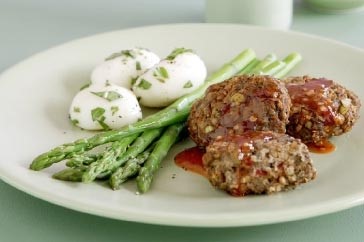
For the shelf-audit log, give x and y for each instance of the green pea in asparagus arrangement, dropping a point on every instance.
(138, 150)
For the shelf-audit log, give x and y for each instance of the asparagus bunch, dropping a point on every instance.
(136, 149)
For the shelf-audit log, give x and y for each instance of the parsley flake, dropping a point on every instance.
(138, 67)
(85, 86)
(125, 53)
(144, 84)
(97, 115)
(177, 52)
(161, 74)
(110, 95)
(114, 109)
(188, 84)
(133, 80)
(75, 122)
(76, 109)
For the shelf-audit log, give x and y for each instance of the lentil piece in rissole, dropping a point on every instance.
(320, 109)
(239, 104)
(257, 162)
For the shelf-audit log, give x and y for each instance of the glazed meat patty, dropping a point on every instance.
(320, 109)
(257, 162)
(239, 104)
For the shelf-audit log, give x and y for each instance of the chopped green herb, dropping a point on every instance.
(144, 84)
(133, 80)
(113, 56)
(75, 122)
(114, 109)
(97, 114)
(188, 84)
(138, 67)
(76, 109)
(161, 74)
(104, 126)
(126, 53)
(177, 52)
(85, 86)
(110, 95)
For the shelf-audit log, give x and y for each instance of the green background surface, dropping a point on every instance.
(27, 27)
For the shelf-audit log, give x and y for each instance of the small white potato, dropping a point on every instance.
(104, 107)
(124, 67)
(179, 74)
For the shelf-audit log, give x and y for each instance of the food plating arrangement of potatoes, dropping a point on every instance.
(253, 125)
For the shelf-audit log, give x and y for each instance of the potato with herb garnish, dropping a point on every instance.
(178, 74)
(104, 107)
(122, 68)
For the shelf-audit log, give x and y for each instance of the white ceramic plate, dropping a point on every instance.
(35, 96)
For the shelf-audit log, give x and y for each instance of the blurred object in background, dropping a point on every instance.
(336, 6)
(270, 13)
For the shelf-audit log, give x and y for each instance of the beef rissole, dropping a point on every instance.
(257, 162)
(242, 103)
(320, 109)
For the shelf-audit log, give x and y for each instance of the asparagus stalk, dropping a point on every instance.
(249, 67)
(75, 174)
(146, 173)
(80, 160)
(131, 167)
(118, 154)
(176, 112)
(69, 174)
(291, 61)
(273, 68)
(263, 63)
(108, 157)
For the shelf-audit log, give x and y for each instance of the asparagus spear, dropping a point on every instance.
(74, 174)
(69, 174)
(108, 157)
(131, 167)
(273, 68)
(291, 61)
(112, 159)
(79, 160)
(263, 63)
(176, 112)
(146, 173)
(249, 67)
